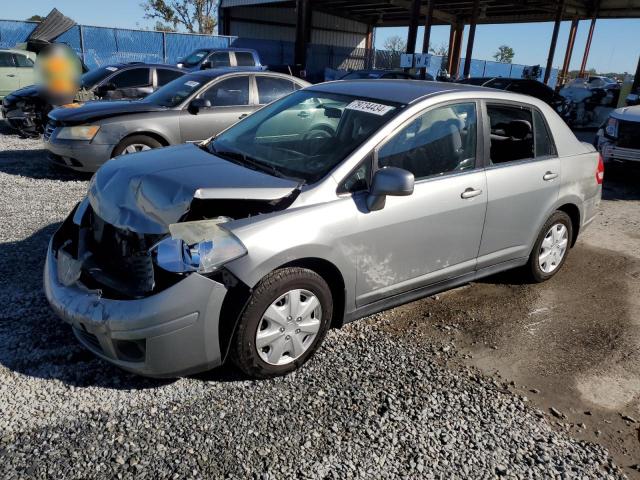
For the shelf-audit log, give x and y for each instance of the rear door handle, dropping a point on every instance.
(244, 115)
(10, 75)
(470, 193)
(303, 114)
(549, 176)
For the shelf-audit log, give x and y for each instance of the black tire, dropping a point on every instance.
(244, 353)
(135, 139)
(532, 268)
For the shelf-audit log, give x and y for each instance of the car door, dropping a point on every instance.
(523, 180)
(433, 234)
(231, 100)
(9, 80)
(25, 70)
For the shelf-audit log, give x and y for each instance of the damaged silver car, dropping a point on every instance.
(252, 245)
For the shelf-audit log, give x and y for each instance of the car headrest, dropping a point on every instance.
(519, 129)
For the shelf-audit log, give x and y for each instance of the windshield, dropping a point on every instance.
(93, 77)
(304, 135)
(194, 58)
(176, 91)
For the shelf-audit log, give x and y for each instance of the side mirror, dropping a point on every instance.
(197, 104)
(206, 65)
(389, 181)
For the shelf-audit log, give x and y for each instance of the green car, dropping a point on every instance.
(16, 70)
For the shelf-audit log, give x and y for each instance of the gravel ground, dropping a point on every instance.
(370, 404)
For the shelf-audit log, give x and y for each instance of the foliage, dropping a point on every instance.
(441, 50)
(195, 16)
(35, 18)
(504, 54)
(395, 43)
(163, 27)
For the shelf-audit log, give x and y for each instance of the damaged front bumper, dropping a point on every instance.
(171, 333)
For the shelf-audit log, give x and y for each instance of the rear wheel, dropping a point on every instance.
(551, 248)
(135, 144)
(285, 320)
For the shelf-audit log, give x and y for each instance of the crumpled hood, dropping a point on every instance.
(147, 191)
(24, 92)
(97, 110)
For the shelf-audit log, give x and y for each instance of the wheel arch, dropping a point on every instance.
(151, 134)
(573, 211)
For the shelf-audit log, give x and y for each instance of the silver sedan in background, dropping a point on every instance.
(191, 108)
(253, 245)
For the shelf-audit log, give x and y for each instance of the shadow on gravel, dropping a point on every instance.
(33, 163)
(33, 340)
(621, 182)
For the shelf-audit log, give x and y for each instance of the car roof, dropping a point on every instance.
(218, 72)
(225, 49)
(15, 50)
(399, 91)
(141, 64)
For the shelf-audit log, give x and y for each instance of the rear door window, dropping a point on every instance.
(271, 89)
(6, 60)
(511, 133)
(136, 77)
(544, 143)
(165, 75)
(245, 59)
(233, 91)
(23, 61)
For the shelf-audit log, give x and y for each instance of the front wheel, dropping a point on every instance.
(284, 322)
(551, 248)
(135, 144)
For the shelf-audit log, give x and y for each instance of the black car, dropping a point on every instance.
(26, 109)
(376, 74)
(518, 85)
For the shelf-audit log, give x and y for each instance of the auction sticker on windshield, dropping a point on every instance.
(112, 69)
(191, 83)
(369, 107)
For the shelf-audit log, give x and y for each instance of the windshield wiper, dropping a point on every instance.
(242, 159)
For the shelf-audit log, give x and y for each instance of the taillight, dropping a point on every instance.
(600, 170)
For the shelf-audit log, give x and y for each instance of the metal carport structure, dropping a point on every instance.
(456, 13)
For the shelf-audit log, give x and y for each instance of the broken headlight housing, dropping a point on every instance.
(201, 246)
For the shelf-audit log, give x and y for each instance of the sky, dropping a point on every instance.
(615, 44)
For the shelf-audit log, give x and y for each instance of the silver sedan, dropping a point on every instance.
(252, 246)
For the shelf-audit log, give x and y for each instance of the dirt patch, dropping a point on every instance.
(571, 344)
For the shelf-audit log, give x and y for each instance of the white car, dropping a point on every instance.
(619, 138)
(16, 70)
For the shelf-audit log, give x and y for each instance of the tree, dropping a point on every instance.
(35, 18)
(395, 43)
(441, 50)
(163, 27)
(196, 16)
(504, 54)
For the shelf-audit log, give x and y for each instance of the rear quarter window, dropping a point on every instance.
(245, 59)
(165, 76)
(544, 144)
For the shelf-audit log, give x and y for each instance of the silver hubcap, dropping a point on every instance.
(288, 327)
(553, 248)
(136, 147)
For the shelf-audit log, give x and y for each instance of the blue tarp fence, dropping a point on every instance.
(102, 45)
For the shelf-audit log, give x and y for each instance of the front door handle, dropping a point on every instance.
(470, 193)
(549, 176)
(244, 115)
(303, 114)
(10, 75)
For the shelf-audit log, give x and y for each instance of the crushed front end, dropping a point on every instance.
(102, 280)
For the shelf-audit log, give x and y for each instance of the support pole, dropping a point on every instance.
(427, 35)
(368, 60)
(587, 47)
(413, 27)
(472, 35)
(303, 17)
(452, 39)
(567, 56)
(635, 87)
(554, 41)
(457, 50)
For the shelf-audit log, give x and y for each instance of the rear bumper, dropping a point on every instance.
(169, 334)
(79, 155)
